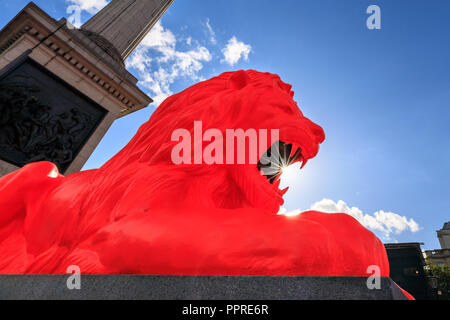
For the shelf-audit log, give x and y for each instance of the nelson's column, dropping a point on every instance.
(61, 88)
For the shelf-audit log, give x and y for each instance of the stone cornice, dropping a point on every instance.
(79, 53)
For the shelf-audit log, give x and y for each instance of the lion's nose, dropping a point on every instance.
(317, 131)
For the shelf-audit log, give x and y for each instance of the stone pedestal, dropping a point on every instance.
(61, 89)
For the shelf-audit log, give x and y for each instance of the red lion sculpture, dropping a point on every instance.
(142, 214)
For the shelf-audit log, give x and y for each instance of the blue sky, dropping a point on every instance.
(382, 96)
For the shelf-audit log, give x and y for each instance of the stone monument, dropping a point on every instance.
(61, 87)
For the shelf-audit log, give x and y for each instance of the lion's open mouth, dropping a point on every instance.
(279, 156)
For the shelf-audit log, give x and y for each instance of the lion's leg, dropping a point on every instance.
(240, 242)
(21, 193)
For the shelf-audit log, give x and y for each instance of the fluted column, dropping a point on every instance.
(124, 23)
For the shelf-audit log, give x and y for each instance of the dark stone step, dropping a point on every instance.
(147, 287)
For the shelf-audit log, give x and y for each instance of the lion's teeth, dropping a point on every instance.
(293, 150)
(305, 161)
(277, 183)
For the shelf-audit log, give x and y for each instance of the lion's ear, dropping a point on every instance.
(238, 80)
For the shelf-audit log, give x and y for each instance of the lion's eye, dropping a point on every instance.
(277, 157)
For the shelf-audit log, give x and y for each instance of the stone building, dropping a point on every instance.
(61, 87)
(441, 256)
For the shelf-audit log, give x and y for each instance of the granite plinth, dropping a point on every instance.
(147, 287)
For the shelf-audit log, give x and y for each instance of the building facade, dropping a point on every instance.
(441, 256)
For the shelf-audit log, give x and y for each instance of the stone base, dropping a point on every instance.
(137, 287)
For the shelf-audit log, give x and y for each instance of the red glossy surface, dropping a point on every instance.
(140, 213)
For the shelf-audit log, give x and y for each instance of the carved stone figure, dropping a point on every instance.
(33, 129)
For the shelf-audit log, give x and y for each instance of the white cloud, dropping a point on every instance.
(159, 37)
(212, 33)
(235, 50)
(387, 223)
(91, 6)
(160, 63)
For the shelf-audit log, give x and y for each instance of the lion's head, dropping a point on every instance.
(234, 100)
